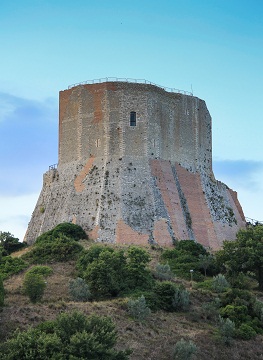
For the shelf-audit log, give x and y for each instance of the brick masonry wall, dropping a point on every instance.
(151, 183)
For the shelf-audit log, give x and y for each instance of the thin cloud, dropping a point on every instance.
(242, 173)
(28, 141)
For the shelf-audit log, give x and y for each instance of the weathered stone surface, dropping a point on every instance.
(149, 183)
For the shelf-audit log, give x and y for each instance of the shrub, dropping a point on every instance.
(168, 297)
(137, 273)
(79, 290)
(191, 247)
(226, 330)
(246, 332)
(185, 257)
(88, 256)
(138, 309)
(205, 285)
(184, 350)
(72, 231)
(40, 270)
(106, 275)
(220, 284)
(34, 286)
(9, 243)
(164, 296)
(237, 314)
(2, 292)
(181, 300)
(240, 281)
(258, 309)
(163, 272)
(210, 310)
(59, 249)
(70, 336)
(10, 266)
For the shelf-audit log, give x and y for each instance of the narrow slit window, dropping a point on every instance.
(98, 143)
(132, 118)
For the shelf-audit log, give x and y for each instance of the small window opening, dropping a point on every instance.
(132, 118)
(98, 143)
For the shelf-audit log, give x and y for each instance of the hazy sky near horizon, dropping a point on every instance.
(214, 47)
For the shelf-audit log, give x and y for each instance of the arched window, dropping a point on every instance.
(132, 118)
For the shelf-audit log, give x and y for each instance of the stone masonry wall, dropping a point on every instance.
(149, 183)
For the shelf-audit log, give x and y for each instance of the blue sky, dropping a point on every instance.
(212, 46)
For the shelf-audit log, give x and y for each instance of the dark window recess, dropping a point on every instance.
(133, 118)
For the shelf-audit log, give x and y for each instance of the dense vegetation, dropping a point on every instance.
(70, 336)
(171, 284)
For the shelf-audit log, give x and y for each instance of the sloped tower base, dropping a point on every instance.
(149, 181)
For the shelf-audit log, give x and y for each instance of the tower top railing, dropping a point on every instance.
(253, 221)
(128, 80)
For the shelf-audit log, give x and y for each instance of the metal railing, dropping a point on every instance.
(128, 80)
(253, 221)
(52, 167)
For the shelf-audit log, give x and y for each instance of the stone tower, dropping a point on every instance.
(135, 166)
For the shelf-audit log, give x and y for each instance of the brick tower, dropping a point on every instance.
(135, 166)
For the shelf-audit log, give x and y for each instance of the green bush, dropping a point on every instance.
(258, 309)
(137, 274)
(40, 270)
(10, 266)
(60, 249)
(72, 231)
(34, 287)
(205, 285)
(191, 247)
(88, 256)
(240, 281)
(184, 350)
(185, 257)
(238, 297)
(245, 332)
(237, 314)
(226, 330)
(220, 284)
(79, 290)
(106, 274)
(168, 297)
(138, 309)
(181, 300)
(163, 272)
(210, 310)
(2, 292)
(70, 336)
(9, 243)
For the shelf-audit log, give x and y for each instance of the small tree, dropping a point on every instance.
(205, 261)
(163, 272)
(34, 287)
(138, 309)
(79, 290)
(226, 330)
(181, 300)
(9, 242)
(245, 254)
(184, 350)
(220, 283)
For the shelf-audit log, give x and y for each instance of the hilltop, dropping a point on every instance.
(152, 338)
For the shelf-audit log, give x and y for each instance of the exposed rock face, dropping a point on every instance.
(135, 166)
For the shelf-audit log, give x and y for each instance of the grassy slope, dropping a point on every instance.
(152, 340)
